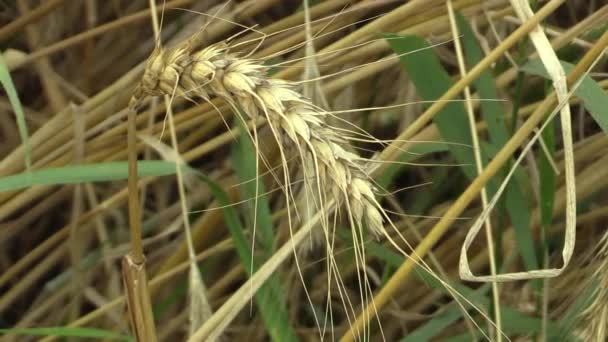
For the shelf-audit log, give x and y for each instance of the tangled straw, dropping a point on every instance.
(295, 121)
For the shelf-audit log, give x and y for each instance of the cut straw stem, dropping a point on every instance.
(138, 300)
(137, 252)
(134, 264)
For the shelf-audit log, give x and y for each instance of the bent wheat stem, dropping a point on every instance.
(296, 123)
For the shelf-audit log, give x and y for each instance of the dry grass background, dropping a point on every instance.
(426, 103)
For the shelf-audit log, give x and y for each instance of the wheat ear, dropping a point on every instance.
(295, 121)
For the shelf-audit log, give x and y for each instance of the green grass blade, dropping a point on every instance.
(67, 332)
(514, 322)
(518, 207)
(266, 293)
(243, 157)
(432, 81)
(492, 111)
(9, 87)
(594, 97)
(101, 172)
(270, 298)
(517, 324)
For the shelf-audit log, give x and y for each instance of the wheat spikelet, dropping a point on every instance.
(295, 121)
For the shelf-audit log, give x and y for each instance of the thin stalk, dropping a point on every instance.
(133, 266)
(479, 169)
(137, 252)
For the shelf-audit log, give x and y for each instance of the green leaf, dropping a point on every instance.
(514, 198)
(9, 87)
(243, 158)
(594, 97)
(518, 207)
(432, 81)
(492, 111)
(266, 293)
(514, 322)
(100, 172)
(67, 332)
(270, 298)
(267, 296)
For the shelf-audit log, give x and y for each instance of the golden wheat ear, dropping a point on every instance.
(295, 121)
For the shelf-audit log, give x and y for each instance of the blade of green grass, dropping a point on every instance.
(594, 97)
(268, 294)
(100, 172)
(431, 81)
(548, 186)
(514, 322)
(492, 111)
(518, 324)
(67, 332)
(518, 206)
(270, 298)
(9, 87)
(514, 200)
(243, 158)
